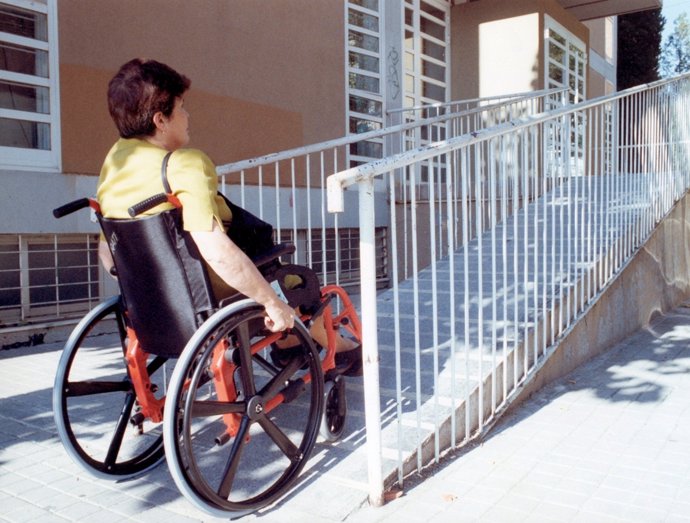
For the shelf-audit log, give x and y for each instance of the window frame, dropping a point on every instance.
(580, 59)
(23, 159)
(364, 121)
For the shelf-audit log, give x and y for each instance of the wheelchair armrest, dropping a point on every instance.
(272, 254)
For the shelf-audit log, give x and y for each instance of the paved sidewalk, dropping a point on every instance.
(610, 442)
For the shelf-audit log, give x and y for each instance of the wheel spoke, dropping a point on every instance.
(88, 387)
(116, 443)
(279, 438)
(234, 458)
(246, 371)
(155, 364)
(206, 408)
(280, 380)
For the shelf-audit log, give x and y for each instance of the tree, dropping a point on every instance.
(639, 47)
(675, 56)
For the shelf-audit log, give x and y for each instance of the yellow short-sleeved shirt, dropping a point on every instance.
(131, 173)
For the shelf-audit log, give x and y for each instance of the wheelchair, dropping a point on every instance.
(163, 371)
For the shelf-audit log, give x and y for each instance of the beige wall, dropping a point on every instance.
(509, 35)
(266, 75)
(602, 56)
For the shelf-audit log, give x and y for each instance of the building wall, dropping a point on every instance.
(265, 76)
(498, 45)
(603, 55)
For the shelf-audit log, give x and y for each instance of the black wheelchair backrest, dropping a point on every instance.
(162, 278)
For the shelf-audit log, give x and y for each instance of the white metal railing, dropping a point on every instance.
(525, 223)
(288, 188)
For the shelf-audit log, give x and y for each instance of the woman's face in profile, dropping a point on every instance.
(177, 129)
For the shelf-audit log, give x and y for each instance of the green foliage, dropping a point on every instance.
(675, 56)
(639, 48)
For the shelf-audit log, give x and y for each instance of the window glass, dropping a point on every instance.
(365, 62)
(363, 20)
(22, 97)
(433, 70)
(368, 149)
(364, 83)
(433, 91)
(24, 134)
(360, 125)
(363, 105)
(24, 60)
(22, 22)
(432, 10)
(368, 42)
(433, 50)
(432, 29)
(372, 5)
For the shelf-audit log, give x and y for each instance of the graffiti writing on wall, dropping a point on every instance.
(394, 73)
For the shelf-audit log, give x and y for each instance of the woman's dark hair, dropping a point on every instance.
(140, 89)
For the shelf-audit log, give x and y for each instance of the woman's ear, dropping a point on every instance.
(159, 120)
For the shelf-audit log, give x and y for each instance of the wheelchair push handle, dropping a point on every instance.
(74, 206)
(150, 203)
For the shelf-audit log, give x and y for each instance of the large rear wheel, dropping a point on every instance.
(239, 429)
(94, 403)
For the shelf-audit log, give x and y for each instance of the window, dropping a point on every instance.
(29, 107)
(566, 61)
(364, 98)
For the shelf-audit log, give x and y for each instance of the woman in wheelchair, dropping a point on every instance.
(145, 100)
(232, 395)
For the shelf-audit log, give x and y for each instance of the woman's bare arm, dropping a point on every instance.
(237, 270)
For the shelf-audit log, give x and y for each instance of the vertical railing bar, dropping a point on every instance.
(464, 180)
(261, 191)
(324, 222)
(415, 298)
(336, 226)
(309, 243)
(504, 260)
(277, 200)
(553, 175)
(492, 225)
(372, 407)
(450, 196)
(598, 199)
(516, 270)
(434, 171)
(478, 195)
(524, 168)
(544, 235)
(396, 325)
(535, 198)
(294, 204)
(592, 205)
(565, 140)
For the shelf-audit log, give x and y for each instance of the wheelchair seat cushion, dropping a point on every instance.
(162, 278)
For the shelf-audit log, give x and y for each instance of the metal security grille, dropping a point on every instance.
(47, 276)
(334, 253)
